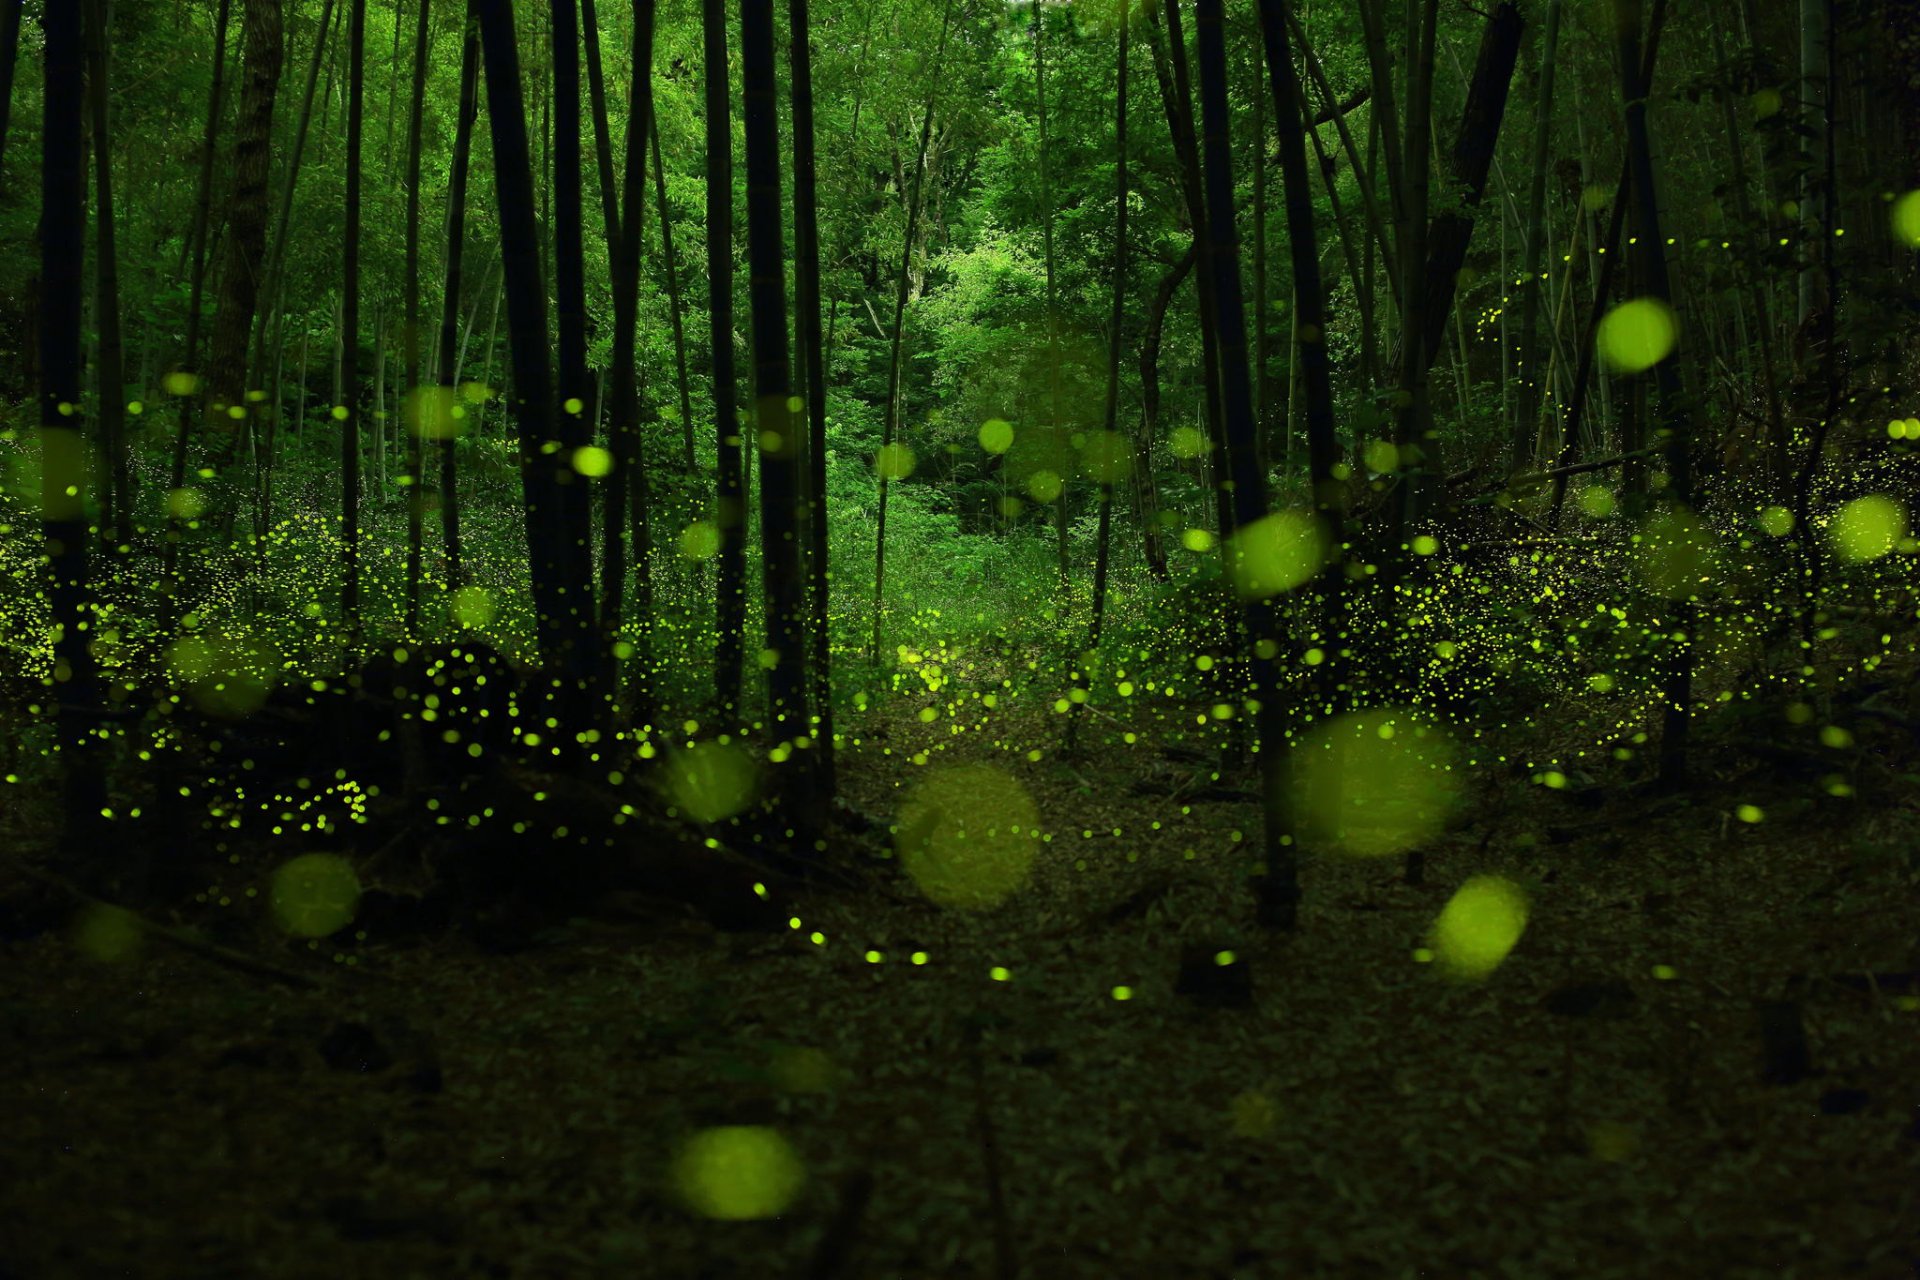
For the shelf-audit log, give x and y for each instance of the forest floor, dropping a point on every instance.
(1623, 1097)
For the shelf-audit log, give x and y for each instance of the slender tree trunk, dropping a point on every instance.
(63, 449)
(229, 394)
(681, 383)
(1109, 458)
(576, 382)
(1176, 99)
(1246, 486)
(560, 588)
(1262, 422)
(1650, 259)
(602, 133)
(730, 516)
(1816, 34)
(1533, 387)
(1053, 302)
(276, 245)
(450, 358)
(1152, 547)
(349, 403)
(775, 432)
(902, 285)
(116, 510)
(629, 477)
(9, 55)
(194, 250)
(806, 233)
(414, 407)
(1413, 427)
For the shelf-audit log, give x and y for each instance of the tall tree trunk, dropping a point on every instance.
(629, 476)
(63, 450)
(194, 250)
(902, 285)
(681, 383)
(1246, 485)
(806, 276)
(9, 54)
(1109, 458)
(414, 406)
(602, 133)
(553, 576)
(272, 274)
(779, 441)
(730, 516)
(449, 372)
(229, 394)
(1533, 384)
(576, 390)
(1816, 34)
(1176, 99)
(1650, 260)
(1053, 302)
(349, 402)
(116, 510)
(1153, 549)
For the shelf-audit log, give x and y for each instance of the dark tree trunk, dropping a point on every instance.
(681, 383)
(450, 302)
(1155, 550)
(116, 512)
(414, 410)
(1650, 262)
(246, 227)
(1278, 896)
(561, 585)
(350, 329)
(1176, 100)
(602, 133)
(194, 250)
(806, 275)
(776, 434)
(729, 517)
(277, 245)
(902, 286)
(629, 476)
(63, 477)
(9, 54)
(576, 389)
(1116, 324)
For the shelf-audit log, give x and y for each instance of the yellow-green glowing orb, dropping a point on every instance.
(1637, 335)
(473, 606)
(711, 781)
(186, 503)
(1107, 457)
(434, 413)
(893, 461)
(1867, 528)
(592, 461)
(1906, 219)
(700, 540)
(1197, 540)
(1479, 926)
(737, 1173)
(1597, 500)
(1776, 522)
(1277, 553)
(1045, 486)
(1187, 442)
(314, 895)
(1678, 554)
(1373, 783)
(996, 435)
(106, 933)
(967, 836)
(180, 383)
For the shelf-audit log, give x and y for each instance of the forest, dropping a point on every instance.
(885, 639)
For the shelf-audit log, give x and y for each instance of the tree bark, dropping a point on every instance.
(779, 442)
(414, 409)
(730, 515)
(349, 403)
(902, 283)
(116, 511)
(449, 361)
